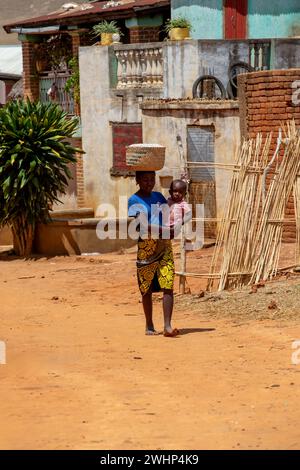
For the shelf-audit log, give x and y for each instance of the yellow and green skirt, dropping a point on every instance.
(155, 265)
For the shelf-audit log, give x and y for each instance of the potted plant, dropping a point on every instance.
(107, 29)
(178, 28)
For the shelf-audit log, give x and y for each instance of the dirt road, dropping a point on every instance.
(80, 373)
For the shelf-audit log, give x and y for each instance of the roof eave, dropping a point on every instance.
(88, 18)
(10, 76)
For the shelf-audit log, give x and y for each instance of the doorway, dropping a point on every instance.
(201, 148)
(235, 19)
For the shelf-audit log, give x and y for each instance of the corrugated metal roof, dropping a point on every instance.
(86, 10)
(11, 61)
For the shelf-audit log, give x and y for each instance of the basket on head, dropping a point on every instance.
(145, 157)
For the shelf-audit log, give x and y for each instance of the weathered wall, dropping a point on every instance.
(273, 19)
(100, 106)
(266, 19)
(6, 237)
(73, 237)
(267, 99)
(186, 60)
(164, 121)
(285, 53)
(206, 17)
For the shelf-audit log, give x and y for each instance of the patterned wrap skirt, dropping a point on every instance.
(155, 265)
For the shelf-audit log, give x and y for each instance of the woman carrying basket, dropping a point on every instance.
(155, 263)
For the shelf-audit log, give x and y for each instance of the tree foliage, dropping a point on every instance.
(34, 158)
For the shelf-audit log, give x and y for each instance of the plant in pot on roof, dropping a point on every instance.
(109, 32)
(178, 28)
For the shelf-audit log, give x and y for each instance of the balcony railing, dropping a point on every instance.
(139, 66)
(61, 97)
(259, 54)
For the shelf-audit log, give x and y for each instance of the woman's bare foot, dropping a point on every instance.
(170, 332)
(151, 332)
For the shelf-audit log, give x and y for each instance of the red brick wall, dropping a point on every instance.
(124, 134)
(77, 142)
(265, 100)
(31, 90)
(30, 76)
(8, 86)
(144, 34)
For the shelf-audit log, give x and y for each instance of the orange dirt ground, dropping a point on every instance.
(81, 374)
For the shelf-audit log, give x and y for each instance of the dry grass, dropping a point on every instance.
(246, 303)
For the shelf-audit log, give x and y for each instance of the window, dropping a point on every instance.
(124, 134)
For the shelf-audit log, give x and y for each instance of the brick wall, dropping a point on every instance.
(30, 76)
(8, 86)
(77, 142)
(124, 134)
(144, 34)
(265, 100)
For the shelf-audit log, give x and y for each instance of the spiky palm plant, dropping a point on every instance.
(34, 158)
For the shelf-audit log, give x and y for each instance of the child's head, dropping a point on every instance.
(145, 180)
(178, 190)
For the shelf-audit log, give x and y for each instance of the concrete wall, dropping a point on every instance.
(185, 61)
(101, 105)
(6, 237)
(273, 19)
(206, 17)
(266, 19)
(163, 121)
(74, 237)
(285, 54)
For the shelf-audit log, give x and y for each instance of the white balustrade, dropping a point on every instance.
(259, 54)
(140, 67)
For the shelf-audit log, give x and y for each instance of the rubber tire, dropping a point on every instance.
(247, 67)
(206, 77)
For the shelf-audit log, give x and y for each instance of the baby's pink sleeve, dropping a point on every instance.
(185, 207)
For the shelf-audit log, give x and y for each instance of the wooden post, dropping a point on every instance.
(297, 216)
(183, 167)
(182, 263)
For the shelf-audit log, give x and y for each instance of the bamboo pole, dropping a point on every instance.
(297, 215)
(184, 171)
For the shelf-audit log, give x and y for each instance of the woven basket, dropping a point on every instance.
(145, 157)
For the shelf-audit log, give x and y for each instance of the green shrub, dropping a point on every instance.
(179, 22)
(34, 158)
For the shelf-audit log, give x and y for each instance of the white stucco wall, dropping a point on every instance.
(162, 122)
(101, 105)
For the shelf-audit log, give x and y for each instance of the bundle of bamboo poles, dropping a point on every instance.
(269, 233)
(297, 215)
(249, 237)
(235, 234)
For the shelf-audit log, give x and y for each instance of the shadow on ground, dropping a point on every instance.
(186, 331)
